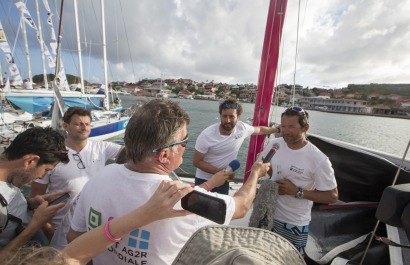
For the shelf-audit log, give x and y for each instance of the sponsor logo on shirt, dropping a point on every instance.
(296, 169)
(133, 252)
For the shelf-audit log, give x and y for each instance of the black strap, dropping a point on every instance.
(20, 227)
(14, 218)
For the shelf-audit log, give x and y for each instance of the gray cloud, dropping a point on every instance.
(340, 42)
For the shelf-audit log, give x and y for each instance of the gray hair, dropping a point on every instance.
(153, 125)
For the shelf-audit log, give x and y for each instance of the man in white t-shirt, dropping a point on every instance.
(87, 157)
(219, 143)
(304, 175)
(30, 155)
(155, 137)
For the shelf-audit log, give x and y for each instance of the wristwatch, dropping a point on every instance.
(299, 194)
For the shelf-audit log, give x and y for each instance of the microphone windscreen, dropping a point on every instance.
(234, 165)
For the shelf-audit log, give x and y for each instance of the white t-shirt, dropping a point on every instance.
(307, 168)
(219, 149)
(17, 206)
(69, 177)
(117, 192)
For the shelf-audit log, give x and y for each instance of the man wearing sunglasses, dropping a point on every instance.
(219, 143)
(155, 139)
(304, 175)
(87, 157)
(30, 155)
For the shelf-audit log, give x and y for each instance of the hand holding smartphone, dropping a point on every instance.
(205, 205)
(62, 198)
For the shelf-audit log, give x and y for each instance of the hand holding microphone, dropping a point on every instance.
(226, 174)
(231, 168)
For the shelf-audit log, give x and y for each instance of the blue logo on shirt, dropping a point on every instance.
(139, 239)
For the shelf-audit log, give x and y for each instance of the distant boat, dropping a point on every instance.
(33, 101)
(161, 95)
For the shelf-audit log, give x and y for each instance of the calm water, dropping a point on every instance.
(389, 135)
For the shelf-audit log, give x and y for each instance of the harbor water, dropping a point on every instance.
(389, 135)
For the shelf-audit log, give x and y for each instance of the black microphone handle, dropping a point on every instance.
(269, 155)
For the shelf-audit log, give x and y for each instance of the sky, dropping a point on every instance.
(338, 42)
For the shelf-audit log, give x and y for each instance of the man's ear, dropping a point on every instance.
(163, 155)
(65, 125)
(30, 160)
(306, 127)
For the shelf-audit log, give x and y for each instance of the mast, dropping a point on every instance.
(42, 46)
(59, 105)
(106, 101)
(267, 75)
(80, 62)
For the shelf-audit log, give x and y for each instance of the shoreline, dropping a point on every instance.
(363, 114)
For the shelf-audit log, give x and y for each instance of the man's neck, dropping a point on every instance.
(146, 167)
(76, 145)
(298, 145)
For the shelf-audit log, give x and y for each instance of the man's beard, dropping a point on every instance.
(19, 177)
(228, 126)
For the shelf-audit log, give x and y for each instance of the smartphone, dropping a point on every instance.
(62, 198)
(205, 205)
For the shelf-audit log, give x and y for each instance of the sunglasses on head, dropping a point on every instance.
(298, 109)
(229, 105)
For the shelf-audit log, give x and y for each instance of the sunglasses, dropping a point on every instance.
(229, 105)
(298, 109)
(183, 143)
(80, 163)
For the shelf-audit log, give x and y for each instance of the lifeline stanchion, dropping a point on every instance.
(378, 221)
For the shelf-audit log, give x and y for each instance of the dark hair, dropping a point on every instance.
(76, 111)
(154, 124)
(47, 143)
(303, 116)
(231, 104)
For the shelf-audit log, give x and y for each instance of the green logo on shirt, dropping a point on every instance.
(94, 218)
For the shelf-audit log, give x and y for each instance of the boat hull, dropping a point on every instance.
(37, 101)
(106, 131)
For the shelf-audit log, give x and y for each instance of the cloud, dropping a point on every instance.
(340, 41)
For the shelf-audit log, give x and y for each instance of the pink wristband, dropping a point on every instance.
(107, 231)
(207, 186)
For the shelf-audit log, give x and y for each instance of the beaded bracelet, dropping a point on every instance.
(207, 186)
(107, 231)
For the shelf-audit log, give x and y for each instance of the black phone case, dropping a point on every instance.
(62, 198)
(207, 206)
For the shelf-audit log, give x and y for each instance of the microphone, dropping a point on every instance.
(233, 165)
(272, 152)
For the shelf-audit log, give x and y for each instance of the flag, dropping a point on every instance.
(6, 88)
(26, 15)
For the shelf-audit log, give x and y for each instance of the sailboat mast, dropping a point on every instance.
(267, 75)
(42, 46)
(59, 105)
(80, 61)
(106, 101)
(23, 27)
